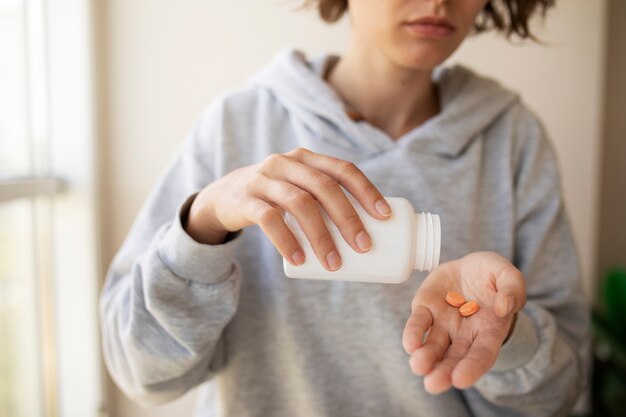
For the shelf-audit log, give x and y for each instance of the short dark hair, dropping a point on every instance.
(510, 17)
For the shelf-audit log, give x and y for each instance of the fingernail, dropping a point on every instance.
(363, 240)
(333, 259)
(383, 208)
(509, 303)
(297, 258)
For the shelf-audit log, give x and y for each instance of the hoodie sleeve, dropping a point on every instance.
(542, 368)
(167, 298)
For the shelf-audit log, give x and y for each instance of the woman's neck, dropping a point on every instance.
(394, 99)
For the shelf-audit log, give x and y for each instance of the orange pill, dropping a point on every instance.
(455, 299)
(469, 308)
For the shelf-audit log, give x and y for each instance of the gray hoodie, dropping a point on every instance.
(177, 314)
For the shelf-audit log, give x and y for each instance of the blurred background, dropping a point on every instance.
(95, 95)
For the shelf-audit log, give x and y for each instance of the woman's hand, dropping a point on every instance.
(294, 182)
(458, 350)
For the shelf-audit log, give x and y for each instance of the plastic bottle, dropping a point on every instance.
(403, 242)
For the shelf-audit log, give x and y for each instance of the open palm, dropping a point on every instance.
(447, 348)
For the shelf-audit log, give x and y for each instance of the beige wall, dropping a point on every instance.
(161, 61)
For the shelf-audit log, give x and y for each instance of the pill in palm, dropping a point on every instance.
(455, 299)
(469, 308)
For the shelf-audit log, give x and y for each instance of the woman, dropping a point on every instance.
(197, 291)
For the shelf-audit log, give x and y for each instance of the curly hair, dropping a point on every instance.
(510, 17)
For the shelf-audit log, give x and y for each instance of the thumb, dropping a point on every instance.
(510, 292)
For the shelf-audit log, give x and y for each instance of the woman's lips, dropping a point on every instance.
(431, 27)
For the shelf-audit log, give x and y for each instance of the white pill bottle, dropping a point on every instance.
(404, 242)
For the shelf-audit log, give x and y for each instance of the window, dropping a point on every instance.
(49, 354)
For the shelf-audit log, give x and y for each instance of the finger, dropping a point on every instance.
(440, 378)
(416, 327)
(271, 222)
(510, 291)
(425, 357)
(305, 209)
(479, 359)
(350, 177)
(327, 191)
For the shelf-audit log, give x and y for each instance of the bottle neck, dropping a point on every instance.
(427, 235)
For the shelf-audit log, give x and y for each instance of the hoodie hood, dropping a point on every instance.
(469, 104)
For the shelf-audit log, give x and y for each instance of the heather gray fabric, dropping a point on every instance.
(176, 314)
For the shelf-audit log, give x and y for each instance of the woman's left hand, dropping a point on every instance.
(447, 348)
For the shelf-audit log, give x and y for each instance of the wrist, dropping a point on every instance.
(201, 225)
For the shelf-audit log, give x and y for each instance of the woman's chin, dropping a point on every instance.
(422, 55)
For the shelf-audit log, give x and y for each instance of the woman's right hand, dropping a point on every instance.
(294, 182)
